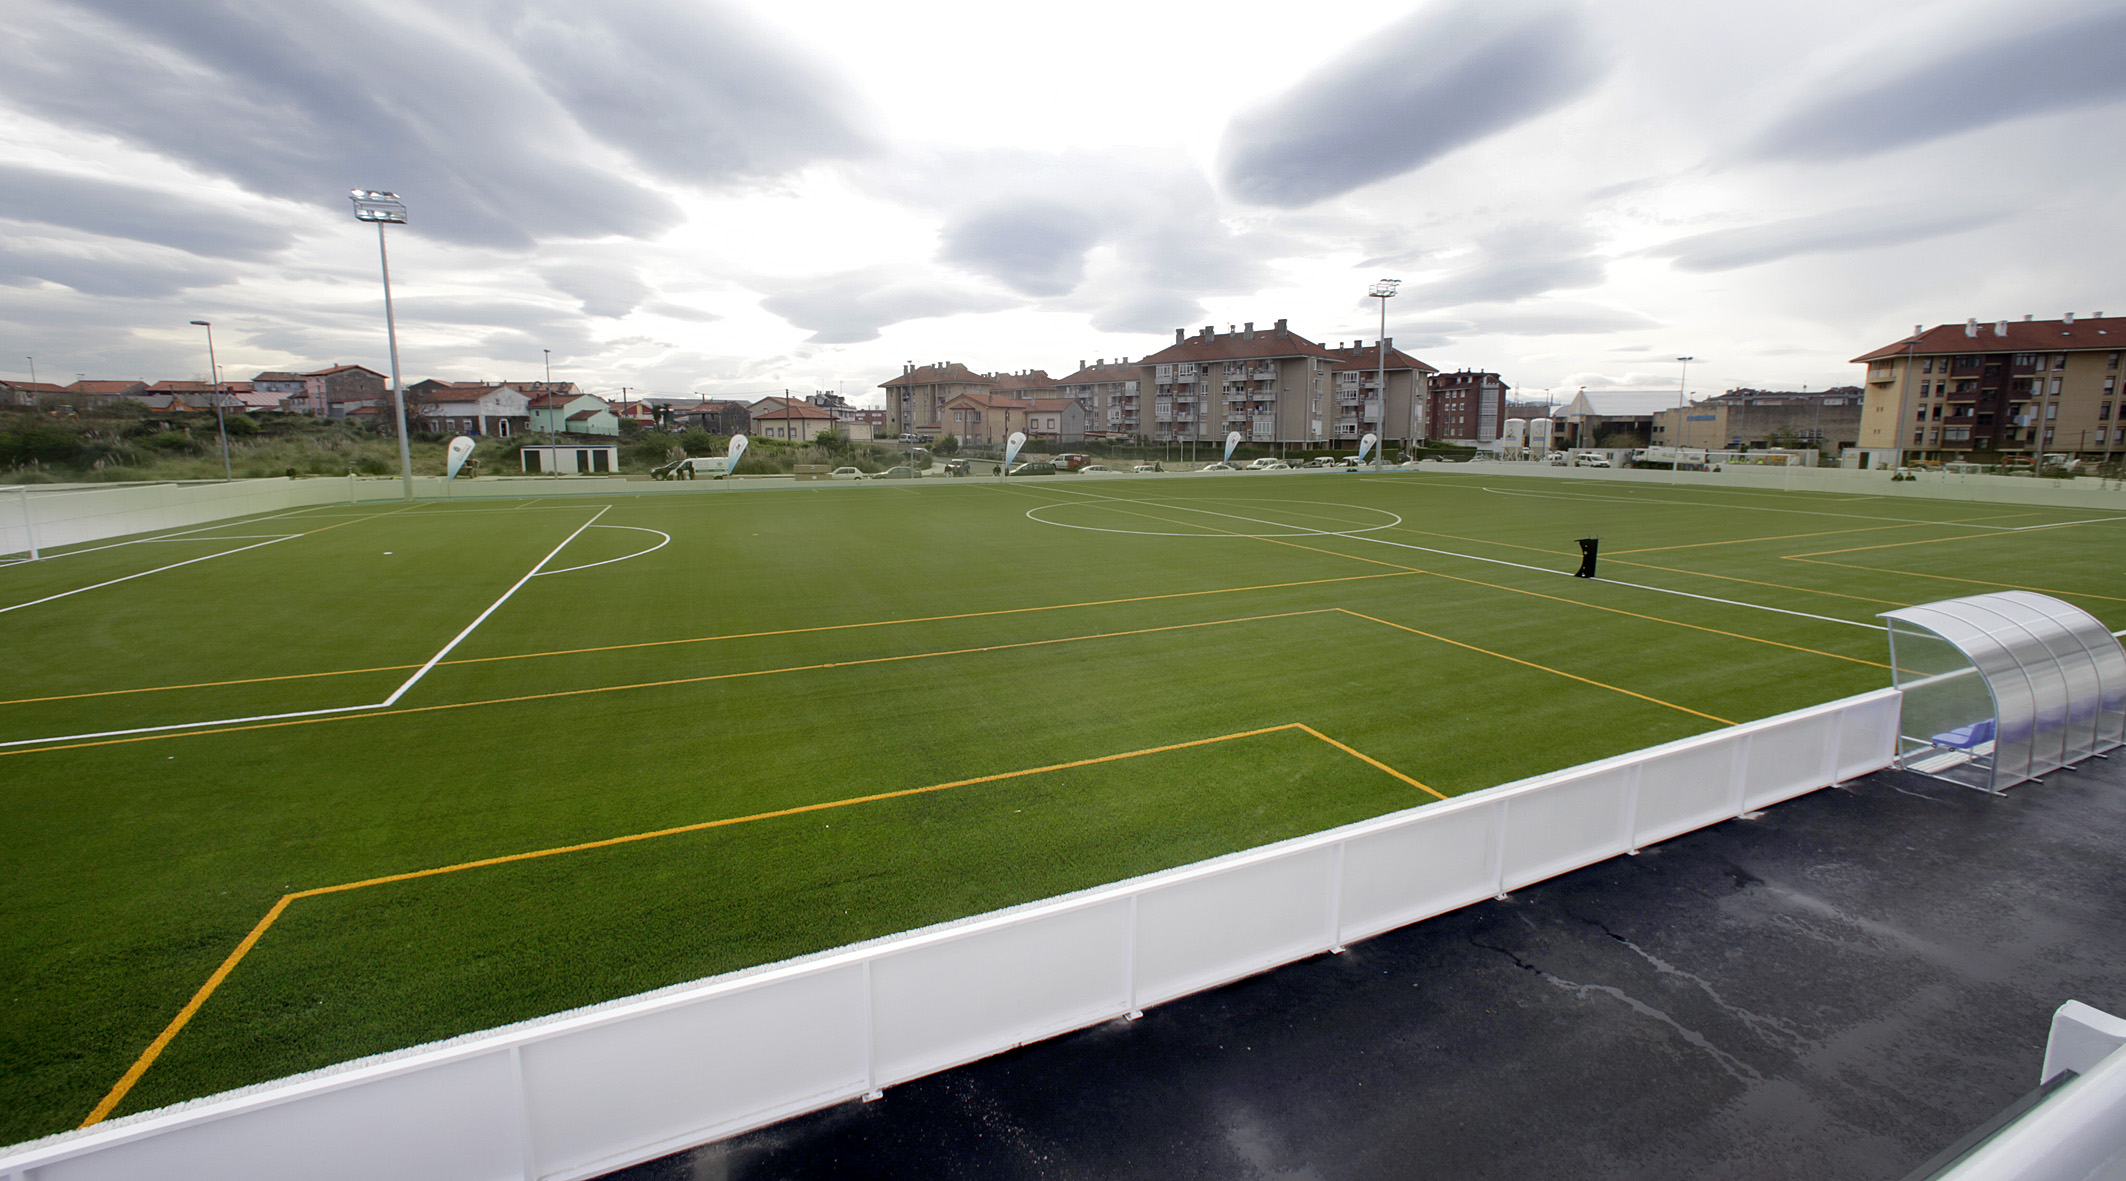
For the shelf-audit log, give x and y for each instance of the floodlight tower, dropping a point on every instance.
(214, 377)
(386, 209)
(1675, 464)
(1384, 290)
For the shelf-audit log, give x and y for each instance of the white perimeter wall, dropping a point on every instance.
(586, 1092)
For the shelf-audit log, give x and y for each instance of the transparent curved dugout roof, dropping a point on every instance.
(2005, 687)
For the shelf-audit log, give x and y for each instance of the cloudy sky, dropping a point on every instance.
(736, 196)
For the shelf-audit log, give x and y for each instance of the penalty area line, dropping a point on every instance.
(155, 1048)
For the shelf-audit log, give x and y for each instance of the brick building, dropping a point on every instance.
(1827, 420)
(1273, 386)
(1466, 407)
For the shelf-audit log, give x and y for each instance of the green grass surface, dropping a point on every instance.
(798, 647)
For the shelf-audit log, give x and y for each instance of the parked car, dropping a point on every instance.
(1269, 463)
(897, 472)
(958, 467)
(1072, 460)
(1590, 461)
(1324, 461)
(1147, 467)
(846, 473)
(1220, 466)
(1035, 467)
(1098, 467)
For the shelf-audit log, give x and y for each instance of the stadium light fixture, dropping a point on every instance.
(386, 209)
(1675, 445)
(214, 382)
(1383, 290)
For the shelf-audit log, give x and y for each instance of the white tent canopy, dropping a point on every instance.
(2002, 688)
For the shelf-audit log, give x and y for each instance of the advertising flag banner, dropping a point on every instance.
(736, 453)
(460, 448)
(1011, 447)
(1366, 444)
(1232, 440)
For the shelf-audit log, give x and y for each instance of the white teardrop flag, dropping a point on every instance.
(1011, 447)
(1232, 440)
(460, 448)
(1366, 444)
(736, 453)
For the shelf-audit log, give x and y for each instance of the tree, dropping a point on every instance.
(947, 445)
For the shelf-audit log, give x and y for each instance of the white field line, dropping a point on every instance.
(144, 573)
(337, 709)
(180, 534)
(1538, 569)
(622, 558)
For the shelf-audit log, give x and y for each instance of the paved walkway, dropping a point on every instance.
(1836, 990)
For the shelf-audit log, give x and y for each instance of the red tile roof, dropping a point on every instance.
(795, 409)
(1032, 379)
(1103, 372)
(342, 369)
(1052, 405)
(36, 387)
(948, 372)
(105, 387)
(2023, 336)
(1235, 346)
(278, 376)
(989, 400)
(459, 391)
(581, 415)
(1364, 356)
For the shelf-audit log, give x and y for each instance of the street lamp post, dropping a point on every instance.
(1384, 290)
(386, 209)
(214, 379)
(33, 369)
(1675, 445)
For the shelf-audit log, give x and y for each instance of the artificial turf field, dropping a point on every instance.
(1068, 681)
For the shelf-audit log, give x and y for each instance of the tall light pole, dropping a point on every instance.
(1384, 290)
(33, 369)
(1675, 445)
(220, 424)
(386, 209)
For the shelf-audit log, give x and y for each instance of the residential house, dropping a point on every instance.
(1465, 407)
(26, 393)
(286, 389)
(1056, 419)
(716, 417)
(1273, 386)
(1109, 393)
(915, 401)
(642, 414)
(571, 414)
(469, 408)
(183, 396)
(333, 391)
(791, 419)
(1403, 410)
(982, 418)
(1983, 392)
(107, 391)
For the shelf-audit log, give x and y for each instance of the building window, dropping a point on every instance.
(2059, 360)
(1928, 367)
(1956, 434)
(2112, 362)
(1922, 414)
(2103, 412)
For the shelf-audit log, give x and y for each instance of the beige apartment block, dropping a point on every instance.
(1272, 385)
(1401, 412)
(983, 418)
(1111, 394)
(1989, 392)
(915, 401)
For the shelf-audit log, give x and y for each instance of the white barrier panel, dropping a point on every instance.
(587, 1092)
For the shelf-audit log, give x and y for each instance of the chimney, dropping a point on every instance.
(2067, 318)
(1210, 332)
(1919, 329)
(1280, 328)
(2026, 318)
(1250, 327)
(1387, 342)
(1180, 335)
(1971, 326)
(2000, 328)
(1081, 362)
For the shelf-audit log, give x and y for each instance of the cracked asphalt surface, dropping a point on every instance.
(1837, 989)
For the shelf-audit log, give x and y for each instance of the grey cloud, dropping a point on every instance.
(2008, 72)
(133, 211)
(1516, 262)
(1149, 311)
(690, 91)
(1033, 247)
(107, 273)
(1434, 82)
(604, 287)
(851, 308)
(1850, 229)
(306, 101)
(680, 311)
(1554, 320)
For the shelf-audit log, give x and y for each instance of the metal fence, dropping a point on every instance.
(582, 1093)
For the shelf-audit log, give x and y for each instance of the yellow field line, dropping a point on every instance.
(792, 631)
(1654, 549)
(759, 672)
(147, 1057)
(1542, 667)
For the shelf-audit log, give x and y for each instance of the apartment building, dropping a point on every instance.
(915, 401)
(983, 418)
(1466, 407)
(333, 391)
(1273, 386)
(1400, 411)
(1985, 392)
(1109, 394)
